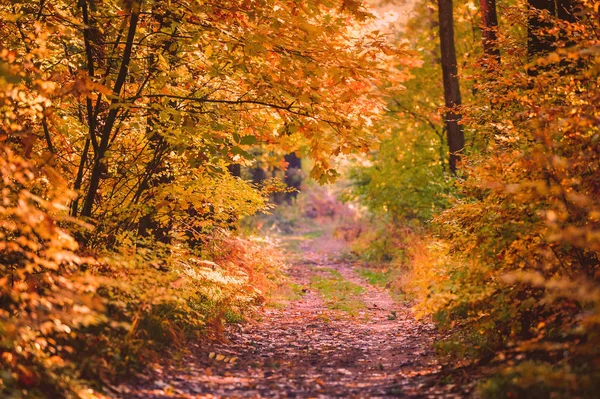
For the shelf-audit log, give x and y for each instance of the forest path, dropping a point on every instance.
(337, 337)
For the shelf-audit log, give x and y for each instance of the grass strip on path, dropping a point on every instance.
(339, 293)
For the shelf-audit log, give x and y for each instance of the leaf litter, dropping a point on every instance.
(308, 349)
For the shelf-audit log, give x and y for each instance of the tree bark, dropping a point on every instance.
(79, 178)
(454, 131)
(89, 55)
(489, 20)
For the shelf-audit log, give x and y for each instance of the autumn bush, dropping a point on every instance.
(70, 316)
(43, 298)
(68, 319)
(521, 241)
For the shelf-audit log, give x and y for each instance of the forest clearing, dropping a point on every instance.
(303, 199)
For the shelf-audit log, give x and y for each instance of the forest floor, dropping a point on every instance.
(334, 335)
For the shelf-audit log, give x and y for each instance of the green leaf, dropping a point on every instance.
(248, 140)
(239, 151)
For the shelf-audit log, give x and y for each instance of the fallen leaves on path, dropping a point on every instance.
(308, 350)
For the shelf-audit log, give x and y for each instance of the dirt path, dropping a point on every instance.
(310, 349)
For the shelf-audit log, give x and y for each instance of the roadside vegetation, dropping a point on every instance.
(503, 253)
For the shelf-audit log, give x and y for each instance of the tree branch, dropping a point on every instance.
(47, 135)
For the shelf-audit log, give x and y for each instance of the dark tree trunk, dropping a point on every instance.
(489, 20)
(258, 175)
(293, 175)
(235, 169)
(99, 166)
(91, 120)
(79, 177)
(456, 138)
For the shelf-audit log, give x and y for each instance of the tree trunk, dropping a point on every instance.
(100, 166)
(489, 20)
(293, 175)
(235, 169)
(258, 175)
(456, 138)
(91, 120)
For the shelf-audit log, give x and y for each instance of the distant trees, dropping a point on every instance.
(152, 92)
(293, 175)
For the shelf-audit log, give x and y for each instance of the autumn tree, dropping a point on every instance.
(509, 265)
(136, 116)
(158, 90)
(507, 257)
(489, 22)
(452, 98)
(405, 180)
